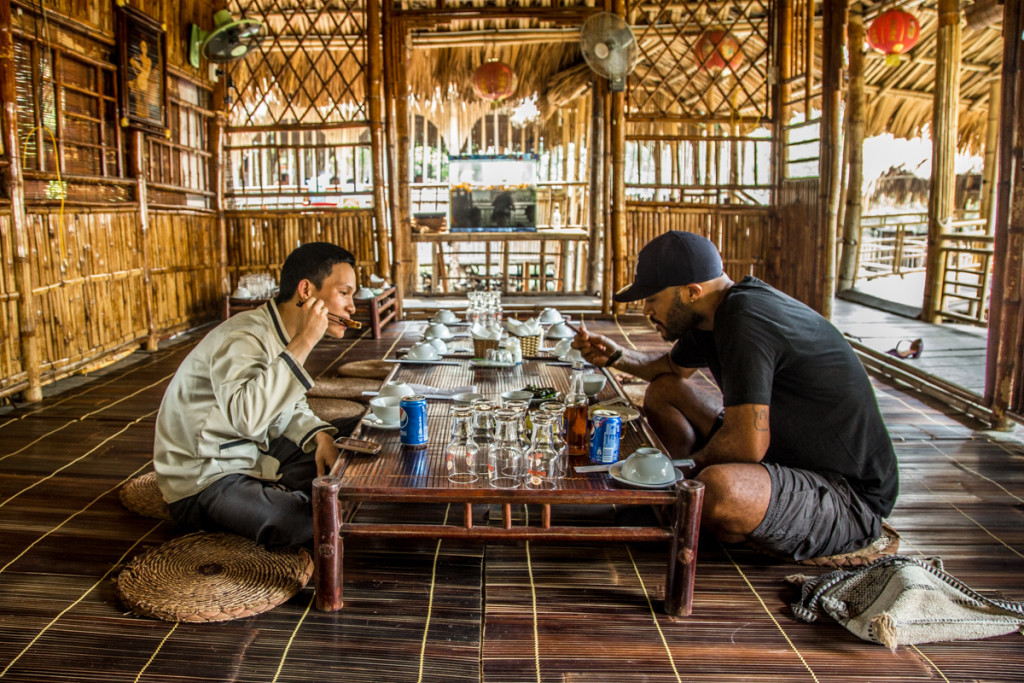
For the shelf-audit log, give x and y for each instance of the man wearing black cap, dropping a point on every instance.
(794, 454)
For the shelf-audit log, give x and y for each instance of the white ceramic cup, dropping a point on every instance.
(386, 408)
(571, 356)
(444, 316)
(422, 351)
(363, 293)
(648, 466)
(550, 316)
(396, 388)
(560, 331)
(439, 344)
(562, 347)
(593, 383)
(437, 330)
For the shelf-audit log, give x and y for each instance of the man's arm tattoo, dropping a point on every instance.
(761, 419)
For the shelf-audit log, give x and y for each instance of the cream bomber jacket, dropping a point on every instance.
(232, 395)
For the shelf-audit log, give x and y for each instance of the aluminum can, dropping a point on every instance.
(413, 420)
(604, 442)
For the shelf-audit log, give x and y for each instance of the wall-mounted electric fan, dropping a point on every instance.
(609, 47)
(230, 40)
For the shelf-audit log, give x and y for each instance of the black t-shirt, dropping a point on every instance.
(768, 348)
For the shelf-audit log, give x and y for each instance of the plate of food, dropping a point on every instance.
(541, 394)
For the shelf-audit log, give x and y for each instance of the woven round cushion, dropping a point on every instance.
(330, 409)
(142, 496)
(370, 369)
(351, 388)
(212, 577)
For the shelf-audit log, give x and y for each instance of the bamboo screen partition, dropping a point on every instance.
(259, 241)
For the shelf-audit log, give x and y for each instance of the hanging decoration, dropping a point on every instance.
(494, 80)
(718, 50)
(893, 33)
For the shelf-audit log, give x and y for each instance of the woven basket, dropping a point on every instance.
(480, 347)
(530, 345)
(206, 577)
(142, 496)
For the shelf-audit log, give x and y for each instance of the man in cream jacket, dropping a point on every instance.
(237, 447)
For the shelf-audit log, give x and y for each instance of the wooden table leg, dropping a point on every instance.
(328, 549)
(682, 560)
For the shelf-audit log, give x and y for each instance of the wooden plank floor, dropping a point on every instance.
(452, 611)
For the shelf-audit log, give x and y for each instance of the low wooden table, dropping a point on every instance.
(411, 475)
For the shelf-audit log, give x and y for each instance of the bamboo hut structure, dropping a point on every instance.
(120, 230)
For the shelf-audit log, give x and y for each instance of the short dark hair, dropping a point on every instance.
(314, 262)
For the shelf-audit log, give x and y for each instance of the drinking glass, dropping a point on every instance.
(543, 463)
(505, 457)
(462, 454)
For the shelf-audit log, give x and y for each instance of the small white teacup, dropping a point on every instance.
(560, 331)
(439, 344)
(593, 383)
(549, 316)
(386, 408)
(571, 356)
(562, 347)
(422, 351)
(444, 316)
(437, 331)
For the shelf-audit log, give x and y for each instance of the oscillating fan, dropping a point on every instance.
(609, 47)
(230, 40)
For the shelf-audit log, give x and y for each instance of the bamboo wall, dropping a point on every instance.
(798, 265)
(742, 234)
(259, 241)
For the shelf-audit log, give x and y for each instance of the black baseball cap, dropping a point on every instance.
(673, 259)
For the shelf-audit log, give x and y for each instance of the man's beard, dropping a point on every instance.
(679, 320)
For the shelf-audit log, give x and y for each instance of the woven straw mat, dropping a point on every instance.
(204, 577)
(142, 496)
(351, 388)
(330, 409)
(370, 369)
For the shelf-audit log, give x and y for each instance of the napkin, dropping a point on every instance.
(479, 331)
(527, 328)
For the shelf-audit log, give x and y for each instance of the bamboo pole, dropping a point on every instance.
(606, 176)
(596, 154)
(828, 191)
(1003, 366)
(390, 58)
(216, 166)
(374, 57)
(944, 128)
(404, 272)
(29, 342)
(142, 197)
(988, 176)
(856, 106)
(618, 194)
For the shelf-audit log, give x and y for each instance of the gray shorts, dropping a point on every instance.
(813, 514)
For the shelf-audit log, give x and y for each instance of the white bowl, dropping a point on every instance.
(422, 351)
(466, 398)
(560, 331)
(437, 331)
(593, 383)
(386, 408)
(648, 466)
(562, 347)
(571, 356)
(518, 395)
(550, 316)
(363, 293)
(396, 388)
(444, 316)
(439, 344)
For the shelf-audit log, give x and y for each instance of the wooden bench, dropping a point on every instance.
(378, 311)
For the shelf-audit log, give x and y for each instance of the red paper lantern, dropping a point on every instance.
(717, 50)
(894, 32)
(494, 80)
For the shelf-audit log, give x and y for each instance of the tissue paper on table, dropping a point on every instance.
(478, 331)
(428, 391)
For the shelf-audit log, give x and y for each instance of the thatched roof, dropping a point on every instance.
(315, 56)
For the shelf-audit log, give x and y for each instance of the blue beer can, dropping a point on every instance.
(413, 420)
(604, 442)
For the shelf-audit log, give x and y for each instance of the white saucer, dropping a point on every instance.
(414, 361)
(615, 472)
(627, 413)
(372, 421)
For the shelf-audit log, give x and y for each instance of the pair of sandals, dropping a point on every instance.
(907, 349)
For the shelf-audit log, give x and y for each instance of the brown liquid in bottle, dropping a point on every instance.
(576, 429)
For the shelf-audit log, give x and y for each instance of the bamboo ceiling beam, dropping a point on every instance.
(930, 61)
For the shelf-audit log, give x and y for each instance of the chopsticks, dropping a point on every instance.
(347, 322)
